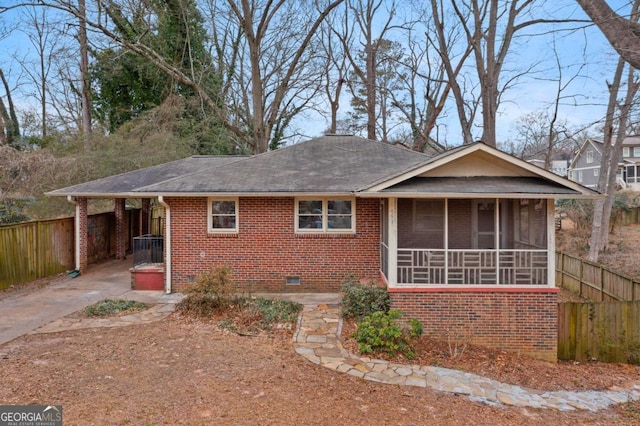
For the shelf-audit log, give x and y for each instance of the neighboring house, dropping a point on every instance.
(586, 165)
(558, 167)
(464, 241)
(631, 162)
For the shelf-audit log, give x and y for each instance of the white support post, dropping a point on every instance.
(392, 276)
(551, 243)
(446, 241)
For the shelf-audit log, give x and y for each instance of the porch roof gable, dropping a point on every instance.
(456, 171)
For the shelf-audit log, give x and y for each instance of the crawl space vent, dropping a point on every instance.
(292, 281)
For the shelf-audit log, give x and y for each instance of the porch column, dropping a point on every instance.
(81, 221)
(392, 276)
(145, 212)
(551, 243)
(120, 229)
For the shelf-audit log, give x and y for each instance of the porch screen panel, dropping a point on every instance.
(421, 255)
(421, 223)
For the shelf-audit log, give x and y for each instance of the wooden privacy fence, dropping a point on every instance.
(33, 250)
(594, 281)
(606, 331)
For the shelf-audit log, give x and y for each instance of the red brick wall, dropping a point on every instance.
(121, 228)
(517, 321)
(266, 250)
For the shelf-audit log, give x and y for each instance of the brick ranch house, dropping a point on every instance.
(464, 241)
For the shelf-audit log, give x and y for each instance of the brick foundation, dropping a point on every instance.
(515, 320)
(266, 249)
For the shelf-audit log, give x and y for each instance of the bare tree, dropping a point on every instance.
(274, 33)
(277, 44)
(40, 30)
(491, 28)
(364, 15)
(623, 34)
(9, 125)
(335, 40)
(84, 72)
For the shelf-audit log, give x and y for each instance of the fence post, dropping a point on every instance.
(601, 284)
(580, 275)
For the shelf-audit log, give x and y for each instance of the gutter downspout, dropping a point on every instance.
(167, 266)
(76, 225)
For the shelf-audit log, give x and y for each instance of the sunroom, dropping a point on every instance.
(460, 242)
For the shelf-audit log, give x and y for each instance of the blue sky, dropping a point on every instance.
(587, 94)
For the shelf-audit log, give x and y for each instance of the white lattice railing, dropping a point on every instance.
(472, 267)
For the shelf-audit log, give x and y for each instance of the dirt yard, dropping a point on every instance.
(190, 372)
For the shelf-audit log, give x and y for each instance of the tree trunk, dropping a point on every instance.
(84, 71)
(370, 84)
(11, 123)
(610, 156)
(622, 34)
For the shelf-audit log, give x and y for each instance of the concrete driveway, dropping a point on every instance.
(23, 313)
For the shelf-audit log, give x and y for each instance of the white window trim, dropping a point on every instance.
(210, 228)
(636, 151)
(596, 172)
(626, 151)
(325, 217)
(589, 157)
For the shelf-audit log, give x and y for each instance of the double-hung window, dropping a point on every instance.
(222, 215)
(325, 215)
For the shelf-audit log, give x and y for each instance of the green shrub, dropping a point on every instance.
(111, 307)
(276, 311)
(379, 332)
(415, 328)
(360, 300)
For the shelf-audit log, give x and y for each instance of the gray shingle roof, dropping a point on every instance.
(326, 165)
(127, 183)
(329, 164)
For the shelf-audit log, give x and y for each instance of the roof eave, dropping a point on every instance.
(475, 195)
(345, 193)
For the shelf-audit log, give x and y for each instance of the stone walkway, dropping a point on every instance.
(316, 339)
(154, 313)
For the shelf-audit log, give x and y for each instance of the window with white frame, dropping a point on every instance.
(636, 151)
(330, 215)
(579, 175)
(596, 172)
(222, 215)
(626, 152)
(589, 157)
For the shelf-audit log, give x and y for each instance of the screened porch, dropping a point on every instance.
(466, 242)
